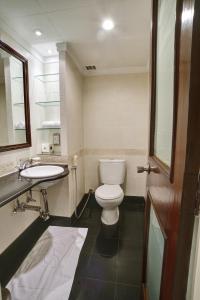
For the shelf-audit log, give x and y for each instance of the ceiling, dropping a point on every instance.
(125, 49)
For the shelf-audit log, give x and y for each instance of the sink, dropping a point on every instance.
(39, 172)
(42, 171)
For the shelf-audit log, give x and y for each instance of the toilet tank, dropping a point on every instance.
(112, 171)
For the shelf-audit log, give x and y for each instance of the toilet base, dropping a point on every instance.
(110, 216)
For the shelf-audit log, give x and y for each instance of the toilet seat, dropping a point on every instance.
(109, 192)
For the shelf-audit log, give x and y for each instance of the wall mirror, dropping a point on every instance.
(14, 100)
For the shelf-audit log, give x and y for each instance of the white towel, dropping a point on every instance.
(50, 124)
(20, 125)
(48, 271)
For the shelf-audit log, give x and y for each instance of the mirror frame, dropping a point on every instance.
(24, 61)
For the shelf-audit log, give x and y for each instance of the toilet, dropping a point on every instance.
(110, 195)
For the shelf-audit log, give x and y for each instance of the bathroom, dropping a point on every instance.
(81, 104)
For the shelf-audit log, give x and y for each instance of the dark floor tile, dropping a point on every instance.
(133, 204)
(89, 245)
(59, 221)
(109, 231)
(106, 247)
(93, 203)
(128, 233)
(92, 219)
(129, 271)
(89, 289)
(82, 267)
(131, 226)
(131, 249)
(100, 267)
(129, 218)
(127, 292)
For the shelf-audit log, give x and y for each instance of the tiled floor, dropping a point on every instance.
(110, 263)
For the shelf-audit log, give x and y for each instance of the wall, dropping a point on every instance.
(71, 131)
(62, 197)
(14, 225)
(116, 116)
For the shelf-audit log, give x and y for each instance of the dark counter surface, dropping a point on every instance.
(13, 185)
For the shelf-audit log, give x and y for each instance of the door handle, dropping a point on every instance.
(147, 169)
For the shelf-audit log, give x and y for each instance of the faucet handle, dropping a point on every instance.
(19, 165)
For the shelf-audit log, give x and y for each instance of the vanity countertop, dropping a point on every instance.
(13, 185)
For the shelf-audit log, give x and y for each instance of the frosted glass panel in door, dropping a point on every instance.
(165, 80)
(154, 257)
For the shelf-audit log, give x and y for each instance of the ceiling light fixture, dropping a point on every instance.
(108, 24)
(49, 51)
(38, 32)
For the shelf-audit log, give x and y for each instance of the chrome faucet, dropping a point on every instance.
(23, 164)
(26, 164)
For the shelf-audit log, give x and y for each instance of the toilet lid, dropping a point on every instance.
(109, 191)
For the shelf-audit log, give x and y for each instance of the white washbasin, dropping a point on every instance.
(42, 171)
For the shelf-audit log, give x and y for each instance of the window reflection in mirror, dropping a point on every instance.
(12, 110)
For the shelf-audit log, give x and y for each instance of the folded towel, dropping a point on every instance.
(51, 124)
(20, 125)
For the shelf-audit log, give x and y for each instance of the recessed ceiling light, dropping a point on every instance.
(49, 51)
(38, 32)
(108, 24)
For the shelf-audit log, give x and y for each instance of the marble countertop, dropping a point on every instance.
(13, 185)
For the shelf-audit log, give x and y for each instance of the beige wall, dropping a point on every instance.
(13, 225)
(116, 116)
(62, 199)
(72, 122)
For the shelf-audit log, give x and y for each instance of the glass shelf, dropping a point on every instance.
(17, 77)
(20, 129)
(48, 103)
(54, 77)
(48, 128)
(18, 103)
(52, 154)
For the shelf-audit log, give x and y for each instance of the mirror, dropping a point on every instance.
(14, 102)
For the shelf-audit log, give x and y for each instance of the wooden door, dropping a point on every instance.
(175, 111)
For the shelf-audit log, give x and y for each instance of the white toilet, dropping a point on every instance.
(110, 195)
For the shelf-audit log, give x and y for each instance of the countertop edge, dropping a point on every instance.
(33, 182)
